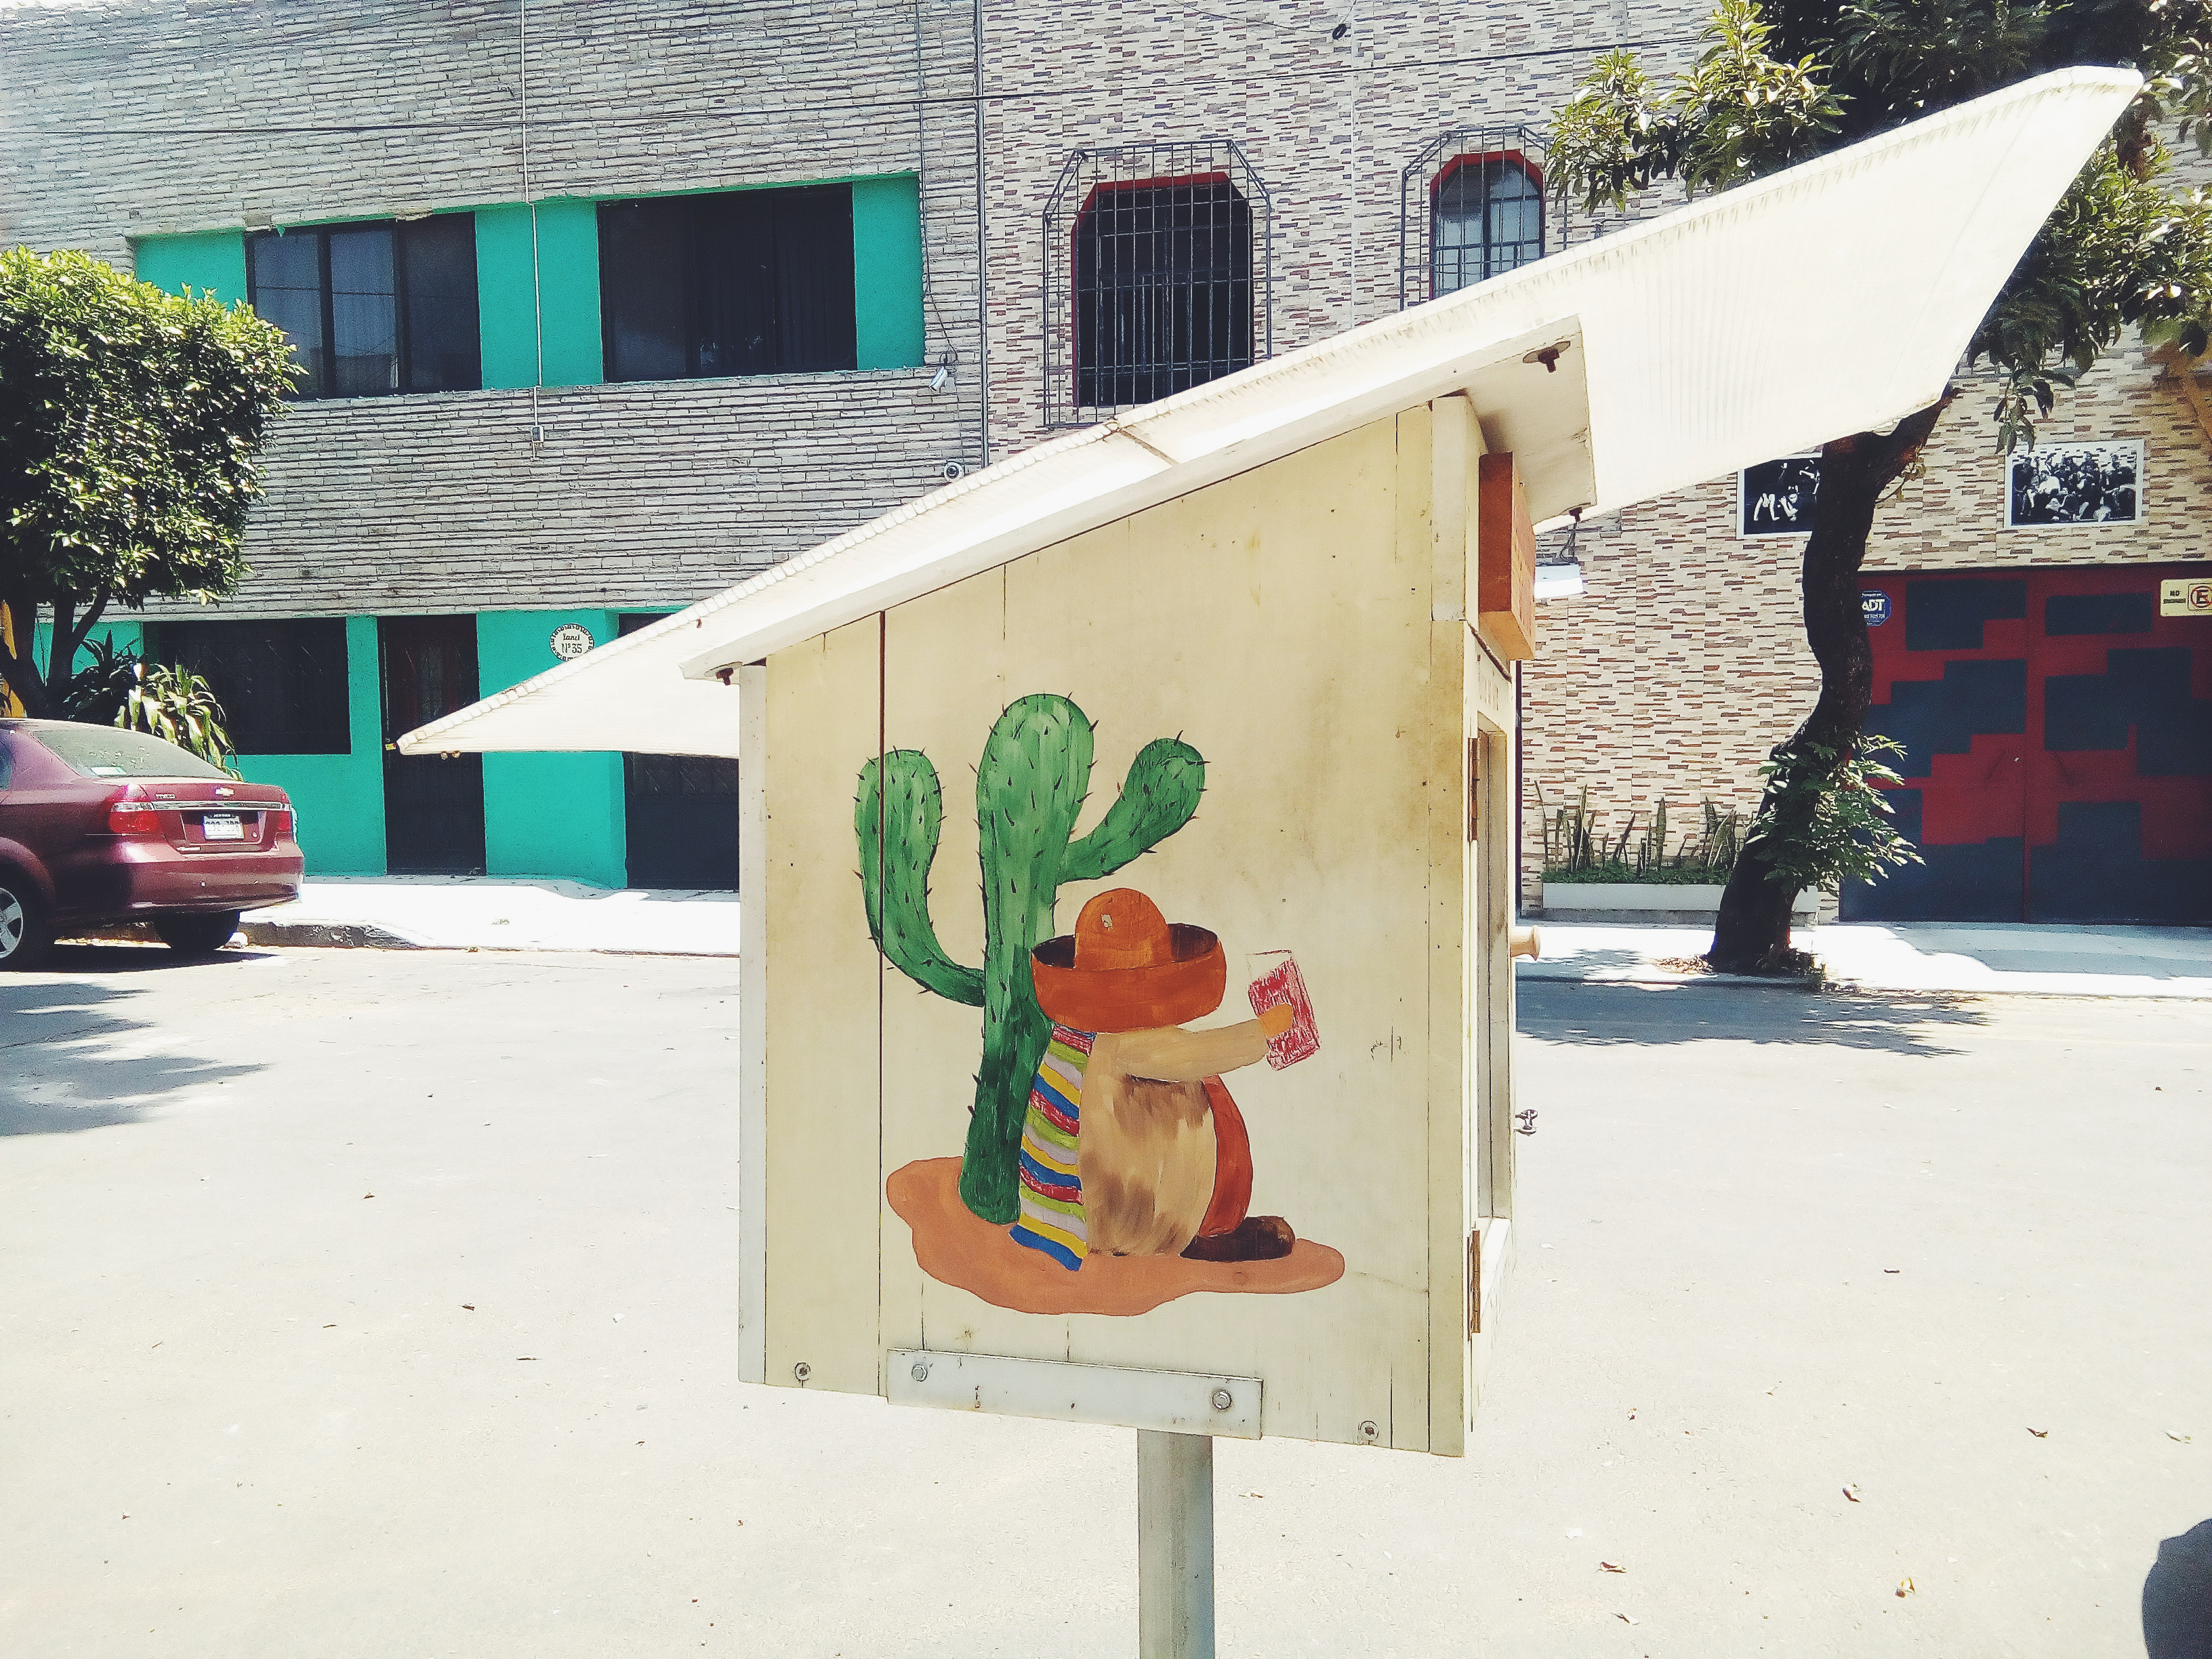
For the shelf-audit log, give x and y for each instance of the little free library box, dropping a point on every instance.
(1127, 828)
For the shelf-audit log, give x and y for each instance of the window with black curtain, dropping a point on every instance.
(282, 684)
(1162, 288)
(751, 281)
(374, 308)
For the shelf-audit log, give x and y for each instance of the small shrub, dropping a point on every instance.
(1575, 851)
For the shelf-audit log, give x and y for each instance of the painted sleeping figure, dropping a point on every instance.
(1131, 1146)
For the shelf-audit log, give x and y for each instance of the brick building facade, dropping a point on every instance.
(169, 132)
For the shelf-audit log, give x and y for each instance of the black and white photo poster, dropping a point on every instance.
(1777, 498)
(2053, 485)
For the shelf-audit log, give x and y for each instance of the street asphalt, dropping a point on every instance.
(371, 1303)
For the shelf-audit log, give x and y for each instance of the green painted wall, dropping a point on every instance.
(205, 259)
(340, 798)
(124, 633)
(547, 814)
(887, 271)
(567, 273)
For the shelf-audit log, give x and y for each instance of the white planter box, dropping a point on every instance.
(1563, 897)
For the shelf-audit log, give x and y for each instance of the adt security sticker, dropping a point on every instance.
(1875, 604)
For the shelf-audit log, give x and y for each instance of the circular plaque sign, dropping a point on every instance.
(572, 639)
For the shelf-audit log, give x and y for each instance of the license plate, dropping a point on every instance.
(223, 826)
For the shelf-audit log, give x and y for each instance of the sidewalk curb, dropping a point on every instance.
(1659, 980)
(1661, 976)
(326, 935)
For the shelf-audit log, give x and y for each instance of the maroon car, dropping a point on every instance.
(99, 825)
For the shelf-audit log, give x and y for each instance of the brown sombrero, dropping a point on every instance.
(1126, 968)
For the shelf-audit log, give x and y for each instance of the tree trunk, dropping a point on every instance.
(1751, 934)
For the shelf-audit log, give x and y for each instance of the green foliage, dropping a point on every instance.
(130, 429)
(1789, 79)
(1613, 137)
(1030, 790)
(1823, 820)
(2120, 251)
(1741, 111)
(179, 706)
(1573, 851)
(97, 692)
(1737, 112)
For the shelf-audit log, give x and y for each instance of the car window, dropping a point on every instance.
(7, 763)
(108, 751)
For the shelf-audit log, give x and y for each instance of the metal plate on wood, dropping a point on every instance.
(1180, 1402)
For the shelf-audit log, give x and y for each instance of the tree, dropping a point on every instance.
(1781, 82)
(130, 424)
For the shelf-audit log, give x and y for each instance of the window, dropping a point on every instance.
(1471, 206)
(752, 282)
(102, 751)
(1156, 275)
(282, 684)
(1488, 213)
(373, 308)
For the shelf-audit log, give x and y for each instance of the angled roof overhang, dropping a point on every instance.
(1831, 298)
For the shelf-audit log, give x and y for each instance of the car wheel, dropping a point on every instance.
(24, 935)
(200, 935)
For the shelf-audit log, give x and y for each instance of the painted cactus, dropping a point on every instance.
(1030, 790)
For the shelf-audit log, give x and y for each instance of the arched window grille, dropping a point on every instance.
(1471, 206)
(1156, 275)
(1487, 218)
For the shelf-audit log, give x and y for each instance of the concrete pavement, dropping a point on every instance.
(368, 1303)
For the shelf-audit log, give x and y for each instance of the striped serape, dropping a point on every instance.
(1052, 1185)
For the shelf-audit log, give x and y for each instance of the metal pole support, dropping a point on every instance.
(1175, 1545)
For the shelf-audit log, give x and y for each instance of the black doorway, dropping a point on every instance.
(434, 805)
(680, 813)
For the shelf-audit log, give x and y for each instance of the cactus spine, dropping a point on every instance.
(1029, 789)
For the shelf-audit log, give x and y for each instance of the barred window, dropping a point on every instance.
(1471, 207)
(1489, 218)
(1156, 275)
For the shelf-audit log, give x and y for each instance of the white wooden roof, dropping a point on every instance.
(1833, 297)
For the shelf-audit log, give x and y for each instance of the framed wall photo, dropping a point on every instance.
(1777, 498)
(2053, 486)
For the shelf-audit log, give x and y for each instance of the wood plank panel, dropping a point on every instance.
(824, 1166)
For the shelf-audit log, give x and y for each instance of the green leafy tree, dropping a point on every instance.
(130, 422)
(2126, 250)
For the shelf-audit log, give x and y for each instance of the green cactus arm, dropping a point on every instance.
(1158, 799)
(896, 819)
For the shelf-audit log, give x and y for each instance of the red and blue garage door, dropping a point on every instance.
(2057, 734)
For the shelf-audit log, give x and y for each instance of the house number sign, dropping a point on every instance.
(572, 639)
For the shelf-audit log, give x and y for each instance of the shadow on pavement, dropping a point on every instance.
(2177, 1597)
(68, 1058)
(1897, 1021)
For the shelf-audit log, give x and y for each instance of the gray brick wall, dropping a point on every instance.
(121, 120)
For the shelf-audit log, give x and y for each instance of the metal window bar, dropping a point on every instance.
(1474, 205)
(1158, 274)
